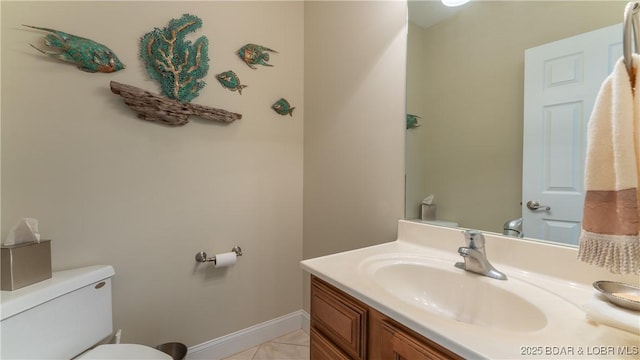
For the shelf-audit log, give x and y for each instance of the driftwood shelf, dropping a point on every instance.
(152, 107)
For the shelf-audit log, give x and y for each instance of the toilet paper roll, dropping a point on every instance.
(226, 259)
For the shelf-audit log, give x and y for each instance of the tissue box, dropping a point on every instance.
(428, 212)
(25, 264)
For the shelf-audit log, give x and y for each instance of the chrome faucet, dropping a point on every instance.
(475, 257)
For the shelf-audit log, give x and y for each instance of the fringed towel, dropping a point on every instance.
(609, 236)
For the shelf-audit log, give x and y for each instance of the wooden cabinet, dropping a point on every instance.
(339, 318)
(345, 328)
(398, 344)
(323, 349)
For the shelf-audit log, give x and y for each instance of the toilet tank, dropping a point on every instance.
(57, 318)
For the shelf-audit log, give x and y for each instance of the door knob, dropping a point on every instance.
(534, 205)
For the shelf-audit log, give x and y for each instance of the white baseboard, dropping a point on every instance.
(238, 341)
(306, 321)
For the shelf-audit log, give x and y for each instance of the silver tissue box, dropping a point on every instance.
(25, 264)
(428, 211)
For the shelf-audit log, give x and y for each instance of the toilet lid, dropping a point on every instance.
(124, 351)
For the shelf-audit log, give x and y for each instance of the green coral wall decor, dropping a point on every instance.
(176, 63)
(179, 66)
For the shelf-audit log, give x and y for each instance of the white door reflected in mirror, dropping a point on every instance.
(562, 80)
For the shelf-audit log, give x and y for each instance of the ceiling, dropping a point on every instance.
(426, 13)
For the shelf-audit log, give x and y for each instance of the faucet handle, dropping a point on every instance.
(474, 239)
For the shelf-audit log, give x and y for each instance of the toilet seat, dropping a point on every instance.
(124, 351)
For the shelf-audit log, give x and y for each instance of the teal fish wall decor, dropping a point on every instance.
(176, 63)
(253, 54)
(230, 80)
(283, 107)
(87, 54)
(412, 121)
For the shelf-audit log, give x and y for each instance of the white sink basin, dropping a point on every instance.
(438, 287)
(539, 312)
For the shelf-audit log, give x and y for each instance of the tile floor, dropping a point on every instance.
(292, 346)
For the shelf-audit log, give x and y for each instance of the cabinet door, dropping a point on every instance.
(339, 318)
(323, 349)
(400, 345)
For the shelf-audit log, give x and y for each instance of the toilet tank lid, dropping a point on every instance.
(60, 283)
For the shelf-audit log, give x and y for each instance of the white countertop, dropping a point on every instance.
(561, 286)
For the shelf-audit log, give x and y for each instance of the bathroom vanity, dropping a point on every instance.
(344, 328)
(406, 299)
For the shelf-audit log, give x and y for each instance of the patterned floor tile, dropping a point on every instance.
(277, 351)
(245, 355)
(292, 346)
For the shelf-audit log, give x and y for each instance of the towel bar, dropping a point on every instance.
(631, 29)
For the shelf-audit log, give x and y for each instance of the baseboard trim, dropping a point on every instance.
(238, 341)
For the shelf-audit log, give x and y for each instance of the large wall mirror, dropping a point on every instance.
(466, 82)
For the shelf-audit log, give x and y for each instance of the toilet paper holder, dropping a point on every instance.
(202, 256)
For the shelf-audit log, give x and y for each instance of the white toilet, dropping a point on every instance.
(62, 317)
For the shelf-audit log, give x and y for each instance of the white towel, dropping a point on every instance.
(609, 236)
(601, 311)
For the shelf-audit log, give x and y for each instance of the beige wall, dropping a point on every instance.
(354, 124)
(417, 181)
(472, 121)
(111, 189)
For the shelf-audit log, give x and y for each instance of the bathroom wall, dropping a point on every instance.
(355, 54)
(354, 124)
(417, 181)
(471, 133)
(109, 188)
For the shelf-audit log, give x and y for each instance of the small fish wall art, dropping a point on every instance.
(86, 54)
(176, 63)
(283, 107)
(229, 80)
(412, 121)
(253, 54)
